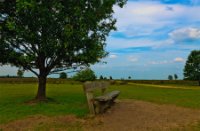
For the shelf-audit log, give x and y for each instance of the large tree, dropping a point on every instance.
(192, 66)
(48, 36)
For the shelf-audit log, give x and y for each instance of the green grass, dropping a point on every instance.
(180, 97)
(70, 99)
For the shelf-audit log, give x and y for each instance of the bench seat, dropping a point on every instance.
(107, 97)
(101, 103)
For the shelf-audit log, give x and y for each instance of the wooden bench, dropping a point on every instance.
(99, 104)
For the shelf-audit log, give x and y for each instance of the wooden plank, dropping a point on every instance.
(91, 86)
(89, 96)
(103, 98)
(108, 96)
(113, 94)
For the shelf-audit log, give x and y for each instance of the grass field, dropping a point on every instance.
(70, 99)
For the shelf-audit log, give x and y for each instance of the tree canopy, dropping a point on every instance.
(192, 66)
(170, 77)
(45, 37)
(85, 75)
(175, 76)
(20, 73)
(63, 75)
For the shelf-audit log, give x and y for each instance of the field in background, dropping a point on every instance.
(59, 81)
(68, 97)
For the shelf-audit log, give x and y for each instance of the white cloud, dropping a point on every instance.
(132, 59)
(179, 59)
(145, 22)
(112, 56)
(159, 62)
(144, 17)
(185, 34)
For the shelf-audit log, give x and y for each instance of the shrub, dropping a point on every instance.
(85, 75)
(63, 75)
(101, 77)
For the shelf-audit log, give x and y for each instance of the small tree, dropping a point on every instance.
(85, 75)
(175, 76)
(129, 77)
(101, 77)
(170, 77)
(111, 78)
(20, 73)
(192, 66)
(105, 78)
(63, 75)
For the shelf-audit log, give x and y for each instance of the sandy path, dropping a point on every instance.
(129, 115)
(166, 86)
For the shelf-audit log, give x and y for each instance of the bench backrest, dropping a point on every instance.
(89, 88)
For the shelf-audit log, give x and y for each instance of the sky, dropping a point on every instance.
(153, 40)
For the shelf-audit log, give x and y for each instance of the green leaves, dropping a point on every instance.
(192, 67)
(85, 75)
(56, 34)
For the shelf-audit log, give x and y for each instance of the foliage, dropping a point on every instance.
(129, 77)
(63, 75)
(101, 77)
(170, 77)
(45, 37)
(175, 76)
(111, 78)
(20, 73)
(85, 75)
(192, 66)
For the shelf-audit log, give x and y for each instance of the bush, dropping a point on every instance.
(63, 75)
(85, 75)
(20, 73)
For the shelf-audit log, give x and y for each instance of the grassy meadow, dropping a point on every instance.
(68, 98)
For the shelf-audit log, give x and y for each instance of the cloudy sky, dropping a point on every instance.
(153, 39)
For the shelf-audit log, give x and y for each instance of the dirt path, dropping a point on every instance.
(126, 115)
(166, 86)
(129, 115)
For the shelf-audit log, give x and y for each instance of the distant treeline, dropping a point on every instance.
(8, 76)
(27, 80)
(61, 81)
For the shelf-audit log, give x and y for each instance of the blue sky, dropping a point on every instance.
(153, 40)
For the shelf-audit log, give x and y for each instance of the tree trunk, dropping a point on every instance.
(41, 93)
(199, 82)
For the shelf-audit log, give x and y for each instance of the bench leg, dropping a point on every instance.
(89, 96)
(97, 107)
(100, 107)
